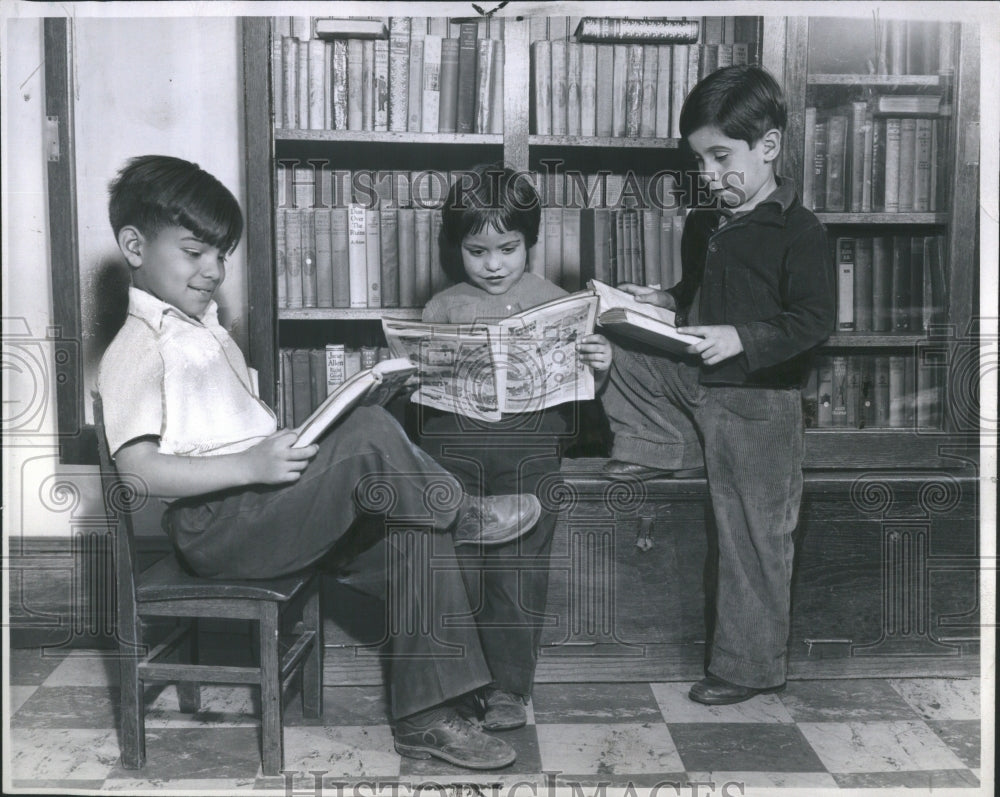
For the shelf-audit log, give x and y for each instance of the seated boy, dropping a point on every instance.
(182, 415)
(758, 287)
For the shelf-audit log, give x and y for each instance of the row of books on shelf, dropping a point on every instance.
(869, 391)
(620, 90)
(413, 81)
(309, 375)
(890, 283)
(357, 257)
(858, 160)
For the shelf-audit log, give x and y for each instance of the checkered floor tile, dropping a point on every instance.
(922, 734)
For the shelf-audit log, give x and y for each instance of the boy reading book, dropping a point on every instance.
(758, 288)
(489, 221)
(183, 416)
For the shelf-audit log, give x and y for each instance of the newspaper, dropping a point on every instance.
(521, 364)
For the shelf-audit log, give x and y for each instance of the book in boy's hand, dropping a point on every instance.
(619, 311)
(374, 386)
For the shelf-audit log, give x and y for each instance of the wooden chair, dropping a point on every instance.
(166, 589)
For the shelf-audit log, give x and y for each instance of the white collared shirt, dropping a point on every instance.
(180, 379)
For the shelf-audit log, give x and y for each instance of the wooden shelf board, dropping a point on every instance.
(382, 137)
(882, 218)
(608, 143)
(873, 80)
(348, 314)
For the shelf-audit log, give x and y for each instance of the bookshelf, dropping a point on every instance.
(781, 45)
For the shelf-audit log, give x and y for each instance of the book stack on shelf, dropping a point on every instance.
(309, 375)
(357, 239)
(604, 78)
(875, 391)
(401, 74)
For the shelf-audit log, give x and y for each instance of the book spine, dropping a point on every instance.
(923, 134)
(406, 254)
(301, 386)
(725, 56)
(541, 86)
(373, 256)
(824, 392)
(880, 396)
(866, 399)
(836, 151)
(552, 219)
(352, 362)
(853, 392)
(907, 156)
(317, 377)
(819, 164)
(838, 410)
(893, 133)
(277, 76)
(389, 251)
(571, 261)
(619, 90)
(882, 284)
(933, 282)
(916, 268)
(415, 95)
(859, 113)
(662, 90)
(604, 122)
(647, 91)
(808, 158)
(878, 165)
(588, 90)
(280, 257)
(380, 85)
(399, 88)
(439, 279)
(633, 91)
(867, 162)
(902, 299)
(574, 69)
(316, 55)
(422, 255)
(368, 85)
(369, 357)
(290, 82)
(302, 84)
(660, 30)
(430, 110)
(863, 285)
(496, 101)
(339, 78)
(909, 392)
(324, 257)
(335, 366)
(448, 107)
(293, 268)
(466, 112)
(634, 242)
(340, 255)
(741, 53)
(845, 284)
(678, 85)
(650, 222)
(357, 255)
(559, 69)
(355, 84)
(484, 86)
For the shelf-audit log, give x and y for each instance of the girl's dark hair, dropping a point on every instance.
(488, 195)
(744, 102)
(156, 191)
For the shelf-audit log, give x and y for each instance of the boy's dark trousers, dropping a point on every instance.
(508, 584)
(753, 448)
(367, 466)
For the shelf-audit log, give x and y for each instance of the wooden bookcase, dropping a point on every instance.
(861, 484)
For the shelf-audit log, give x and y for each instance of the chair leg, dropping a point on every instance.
(270, 691)
(312, 667)
(189, 692)
(133, 718)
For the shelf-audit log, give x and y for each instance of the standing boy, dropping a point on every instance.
(758, 288)
(182, 414)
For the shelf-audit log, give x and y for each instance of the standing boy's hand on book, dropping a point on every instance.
(595, 351)
(647, 295)
(274, 461)
(720, 342)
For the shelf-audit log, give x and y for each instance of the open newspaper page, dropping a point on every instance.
(455, 365)
(525, 363)
(539, 351)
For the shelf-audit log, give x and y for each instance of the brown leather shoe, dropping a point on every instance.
(714, 691)
(453, 739)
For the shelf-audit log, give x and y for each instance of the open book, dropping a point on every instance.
(621, 312)
(521, 364)
(373, 386)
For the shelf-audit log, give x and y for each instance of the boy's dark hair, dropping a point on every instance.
(744, 102)
(156, 191)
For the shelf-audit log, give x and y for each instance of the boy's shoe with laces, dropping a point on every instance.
(453, 739)
(503, 710)
(496, 519)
